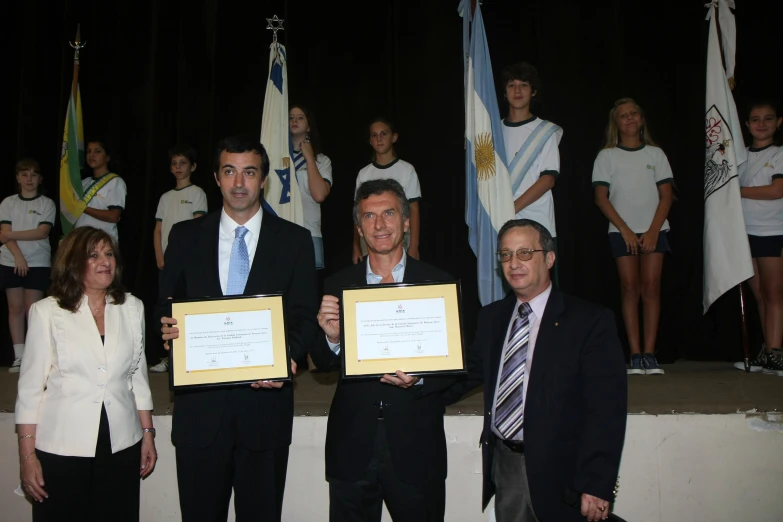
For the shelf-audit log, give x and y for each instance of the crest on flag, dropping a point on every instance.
(717, 170)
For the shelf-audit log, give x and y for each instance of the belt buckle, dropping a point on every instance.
(516, 446)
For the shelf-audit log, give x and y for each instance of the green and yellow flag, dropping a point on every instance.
(71, 193)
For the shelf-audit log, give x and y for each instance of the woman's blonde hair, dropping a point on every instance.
(613, 133)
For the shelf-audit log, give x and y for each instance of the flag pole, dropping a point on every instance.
(741, 286)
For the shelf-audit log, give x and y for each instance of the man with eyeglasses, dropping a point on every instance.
(553, 430)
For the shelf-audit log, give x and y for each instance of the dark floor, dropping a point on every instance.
(687, 387)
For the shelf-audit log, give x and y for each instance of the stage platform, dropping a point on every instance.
(704, 443)
(686, 387)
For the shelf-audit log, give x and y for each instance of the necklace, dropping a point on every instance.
(97, 311)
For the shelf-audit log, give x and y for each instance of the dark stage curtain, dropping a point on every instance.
(155, 73)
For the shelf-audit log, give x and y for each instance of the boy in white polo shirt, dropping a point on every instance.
(184, 201)
(532, 153)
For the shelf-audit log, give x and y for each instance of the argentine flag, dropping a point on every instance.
(488, 187)
(281, 193)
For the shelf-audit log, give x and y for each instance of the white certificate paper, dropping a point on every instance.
(228, 340)
(401, 329)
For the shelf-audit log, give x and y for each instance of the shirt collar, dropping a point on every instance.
(228, 225)
(538, 303)
(398, 269)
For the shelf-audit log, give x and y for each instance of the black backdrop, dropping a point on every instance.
(159, 72)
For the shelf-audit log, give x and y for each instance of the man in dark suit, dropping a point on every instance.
(238, 437)
(385, 439)
(555, 391)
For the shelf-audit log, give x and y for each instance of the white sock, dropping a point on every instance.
(18, 351)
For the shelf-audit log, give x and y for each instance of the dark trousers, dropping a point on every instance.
(512, 492)
(206, 476)
(362, 501)
(104, 488)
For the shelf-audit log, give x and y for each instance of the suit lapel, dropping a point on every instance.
(209, 241)
(262, 262)
(111, 331)
(551, 334)
(87, 324)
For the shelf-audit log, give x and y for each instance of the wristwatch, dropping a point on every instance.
(149, 430)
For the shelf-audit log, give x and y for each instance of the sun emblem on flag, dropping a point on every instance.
(485, 156)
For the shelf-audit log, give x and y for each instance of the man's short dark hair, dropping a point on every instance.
(238, 145)
(184, 150)
(523, 72)
(544, 237)
(376, 187)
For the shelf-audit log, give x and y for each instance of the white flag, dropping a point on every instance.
(281, 193)
(727, 260)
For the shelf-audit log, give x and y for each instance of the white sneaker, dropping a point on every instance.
(161, 367)
(16, 366)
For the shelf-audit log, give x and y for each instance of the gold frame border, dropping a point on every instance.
(278, 371)
(454, 362)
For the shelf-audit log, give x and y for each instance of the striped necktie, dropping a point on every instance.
(508, 403)
(239, 264)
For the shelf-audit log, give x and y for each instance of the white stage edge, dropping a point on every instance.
(684, 467)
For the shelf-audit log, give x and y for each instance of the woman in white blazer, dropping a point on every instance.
(83, 410)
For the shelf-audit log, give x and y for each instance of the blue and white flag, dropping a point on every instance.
(489, 202)
(727, 260)
(281, 193)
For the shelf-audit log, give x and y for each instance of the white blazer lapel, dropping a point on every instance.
(92, 335)
(111, 330)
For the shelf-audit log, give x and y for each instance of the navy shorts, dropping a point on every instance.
(37, 278)
(765, 246)
(619, 248)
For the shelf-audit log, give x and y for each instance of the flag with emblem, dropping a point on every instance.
(281, 192)
(488, 187)
(727, 260)
(72, 154)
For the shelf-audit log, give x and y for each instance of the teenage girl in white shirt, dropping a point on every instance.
(761, 180)
(632, 166)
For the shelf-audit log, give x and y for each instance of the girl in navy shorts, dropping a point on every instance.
(25, 257)
(632, 182)
(761, 182)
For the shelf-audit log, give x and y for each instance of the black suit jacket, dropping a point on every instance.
(284, 262)
(576, 403)
(413, 418)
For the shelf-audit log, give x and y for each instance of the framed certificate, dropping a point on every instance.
(229, 341)
(415, 328)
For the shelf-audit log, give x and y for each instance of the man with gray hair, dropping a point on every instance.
(555, 391)
(385, 440)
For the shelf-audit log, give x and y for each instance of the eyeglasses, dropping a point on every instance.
(523, 254)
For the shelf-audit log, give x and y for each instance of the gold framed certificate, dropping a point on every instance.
(229, 341)
(415, 328)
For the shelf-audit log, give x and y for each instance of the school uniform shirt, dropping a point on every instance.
(178, 205)
(633, 177)
(110, 197)
(546, 164)
(398, 170)
(26, 214)
(311, 209)
(762, 217)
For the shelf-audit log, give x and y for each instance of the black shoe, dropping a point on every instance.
(757, 364)
(774, 363)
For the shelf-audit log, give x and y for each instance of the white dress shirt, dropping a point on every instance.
(226, 237)
(538, 304)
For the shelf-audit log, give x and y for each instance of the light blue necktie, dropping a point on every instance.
(239, 265)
